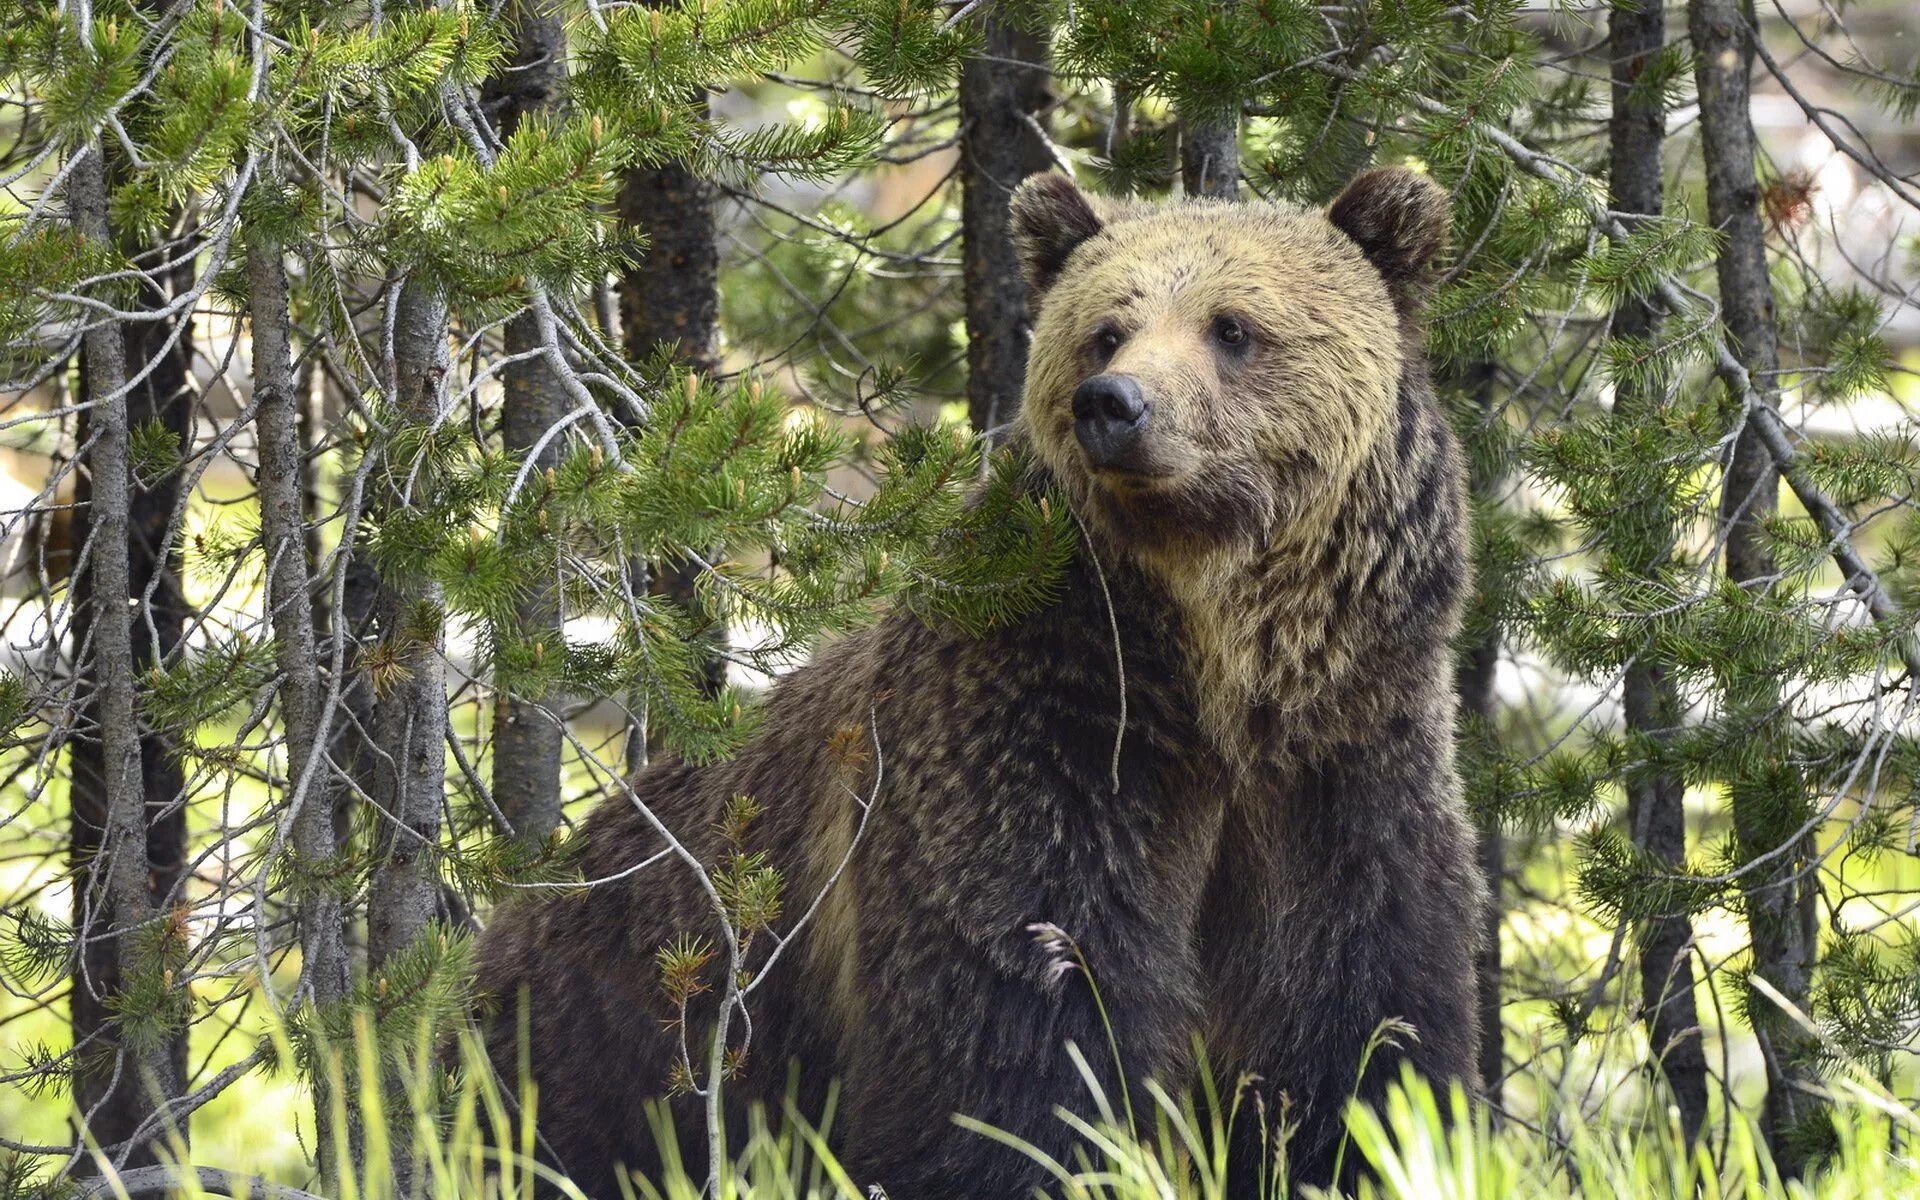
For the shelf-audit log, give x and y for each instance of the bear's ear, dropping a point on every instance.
(1399, 219)
(1050, 217)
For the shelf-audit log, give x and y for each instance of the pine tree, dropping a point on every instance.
(127, 849)
(1640, 539)
(1003, 96)
(307, 823)
(527, 738)
(1478, 666)
(1210, 123)
(1769, 805)
(670, 312)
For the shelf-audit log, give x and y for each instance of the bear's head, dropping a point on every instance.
(1207, 376)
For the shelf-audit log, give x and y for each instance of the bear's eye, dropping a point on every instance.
(1231, 331)
(1106, 340)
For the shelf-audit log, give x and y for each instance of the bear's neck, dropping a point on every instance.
(1273, 632)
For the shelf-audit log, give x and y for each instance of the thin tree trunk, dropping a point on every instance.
(1003, 91)
(670, 301)
(325, 970)
(1656, 817)
(1655, 810)
(1210, 158)
(1473, 680)
(1210, 150)
(164, 396)
(350, 735)
(1780, 900)
(126, 852)
(410, 715)
(526, 744)
(410, 709)
(350, 738)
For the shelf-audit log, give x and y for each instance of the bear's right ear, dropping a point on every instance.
(1050, 217)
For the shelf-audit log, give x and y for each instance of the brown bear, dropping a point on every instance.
(1221, 760)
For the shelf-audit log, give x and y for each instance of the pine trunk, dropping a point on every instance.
(410, 709)
(1210, 151)
(325, 969)
(410, 713)
(526, 743)
(1210, 157)
(128, 846)
(670, 301)
(1003, 92)
(1473, 680)
(1779, 899)
(1656, 814)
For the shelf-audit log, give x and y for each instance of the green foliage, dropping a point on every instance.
(733, 466)
(198, 690)
(1624, 882)
(749, 886)
(16, 703)
(416, 998)
(1655, 250)
(34, 948)
(830, 279)
(682, 962)
(535, 215)
(153, 451)
(194, 126)
(154, 1002)
(1868, 995)
(47, 259)
(904, 47)
(81, 77)
(349, 83)
(1839, 335)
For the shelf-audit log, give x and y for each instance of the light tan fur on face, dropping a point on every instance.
(1314, 393)
(1294, 420)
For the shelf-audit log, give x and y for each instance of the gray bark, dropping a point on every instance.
(1210, 157)
(410, 717)
(1001, 143)
(526, 744)
(1473, 680)
(1655, 812)
(1779, 900)
(325, 970)
(117, 890)
(670, 300)
(1656, 817)
(163, 396)
(1210, 150)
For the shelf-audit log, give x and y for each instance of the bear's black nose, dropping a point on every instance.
(1109, 417)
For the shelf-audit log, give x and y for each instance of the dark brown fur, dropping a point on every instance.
(1284, 864)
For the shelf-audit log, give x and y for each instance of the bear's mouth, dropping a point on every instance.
(1133, 478)
(1160, 505)
(1150, 464)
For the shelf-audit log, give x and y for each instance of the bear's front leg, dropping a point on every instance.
(1345, 896)
(975, 1023)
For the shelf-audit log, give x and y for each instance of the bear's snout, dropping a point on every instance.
(1110, 419)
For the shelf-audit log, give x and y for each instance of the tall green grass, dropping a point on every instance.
(476, 1140)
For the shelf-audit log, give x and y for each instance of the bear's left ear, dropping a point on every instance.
(1050, 217)
(1399, 219)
